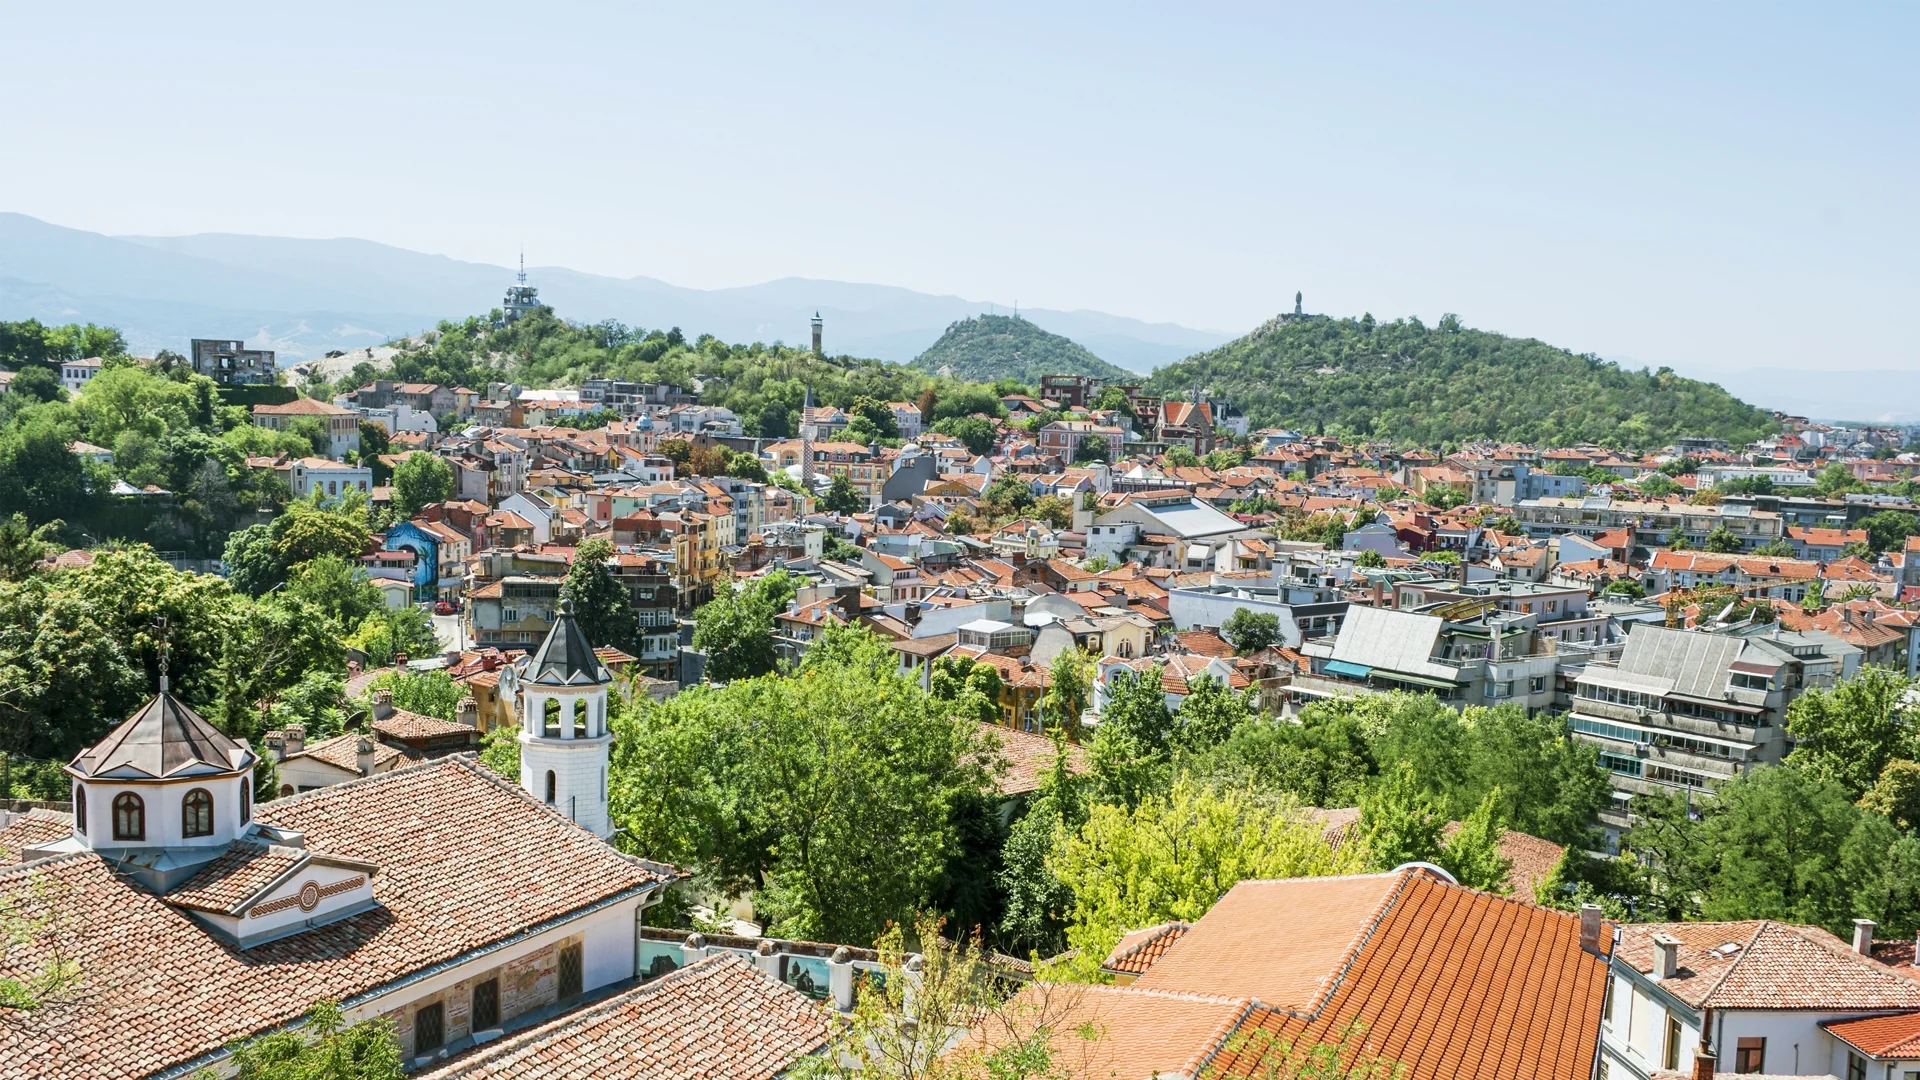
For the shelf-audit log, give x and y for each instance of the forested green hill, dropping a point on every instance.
(1412, 383)
(988, 348)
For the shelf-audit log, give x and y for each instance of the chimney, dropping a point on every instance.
(353, 668)
(363, 755)
(295, 741)
(1863, 936)
(399, 660)
(468, 712)
(1703, 1063)
(1666, 956)
(1378, 592)
(382, 703)
(1590, 928)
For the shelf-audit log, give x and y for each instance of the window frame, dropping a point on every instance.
(124, 803)
(1750, 1045)
(437, 1011)
(1671, 1054)
(80, 808)
(474, 1013)
(192, 808)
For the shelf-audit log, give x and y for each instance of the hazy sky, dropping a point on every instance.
(1703, 186)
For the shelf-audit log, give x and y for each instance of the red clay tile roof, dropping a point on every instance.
(1139, 1033)
(239, 873)
(1881, 1036)
(403, 725)
(341, 752)
(1204, 642)
(1028, 757)
(1141, 949)
(1768, 965)
(30, 828)
(467, 860)
(715, 1019)
(1241, 950)
(1451, 983)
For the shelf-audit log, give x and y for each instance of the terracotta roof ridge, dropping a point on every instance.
(25, 869)
(1163, 995)
(361, 781)
(1746, 950)
(1212, 1044)
(1163, 928)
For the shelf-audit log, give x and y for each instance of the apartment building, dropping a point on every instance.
(1655, 524)
(1683, 710)
(231, 363)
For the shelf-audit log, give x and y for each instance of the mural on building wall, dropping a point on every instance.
(657, 958)
(407, 536)
(807, 974)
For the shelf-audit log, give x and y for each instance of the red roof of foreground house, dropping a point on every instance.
(1448, 981)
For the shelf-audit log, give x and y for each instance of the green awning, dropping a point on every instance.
(1416, 680)
(1346, 670)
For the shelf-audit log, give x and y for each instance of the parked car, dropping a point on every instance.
(444, 608)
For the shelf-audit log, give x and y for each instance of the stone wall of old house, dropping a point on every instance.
(526, 983)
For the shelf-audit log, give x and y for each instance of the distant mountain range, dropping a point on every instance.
(987, 348)
(306, 297)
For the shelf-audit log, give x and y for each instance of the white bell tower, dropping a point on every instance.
(564, 741)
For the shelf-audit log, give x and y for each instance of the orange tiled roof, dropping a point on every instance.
(1880, 1036)
(1140, 949)
(715, 1019)
(1763, 964)
(1451, 982)
(1028, 757)
(403, 725)
(341, 752)
(33, 827)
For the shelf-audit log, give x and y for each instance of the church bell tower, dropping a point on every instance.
(564, 741)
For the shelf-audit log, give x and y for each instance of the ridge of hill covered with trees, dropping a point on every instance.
(1448, 384)
(988, 348)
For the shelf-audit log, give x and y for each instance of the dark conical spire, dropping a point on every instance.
(565, 658)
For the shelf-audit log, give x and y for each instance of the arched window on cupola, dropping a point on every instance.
(196, 813)
(552, 783)
(129, 817)
(80, 808)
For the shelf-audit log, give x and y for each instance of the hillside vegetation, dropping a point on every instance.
(988, 348)
(1412, 383)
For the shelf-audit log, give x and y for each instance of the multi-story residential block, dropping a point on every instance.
(1656, 524)
(1752, 576)
(1067, 391)
(1467, 652)
(513, 612)
(342, 425)
(1683, 710)
(1823, 545)
(231, 363)
(1065, 437)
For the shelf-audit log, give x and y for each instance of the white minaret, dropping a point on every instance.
(564, 742)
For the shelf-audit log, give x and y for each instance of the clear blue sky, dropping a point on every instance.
(1704, 186)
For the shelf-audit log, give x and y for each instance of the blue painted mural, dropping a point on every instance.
(407, 536)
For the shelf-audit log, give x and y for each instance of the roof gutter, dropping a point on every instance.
(356, 1000)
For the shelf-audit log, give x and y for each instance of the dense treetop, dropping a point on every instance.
(987, 348)
(1446, 384)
